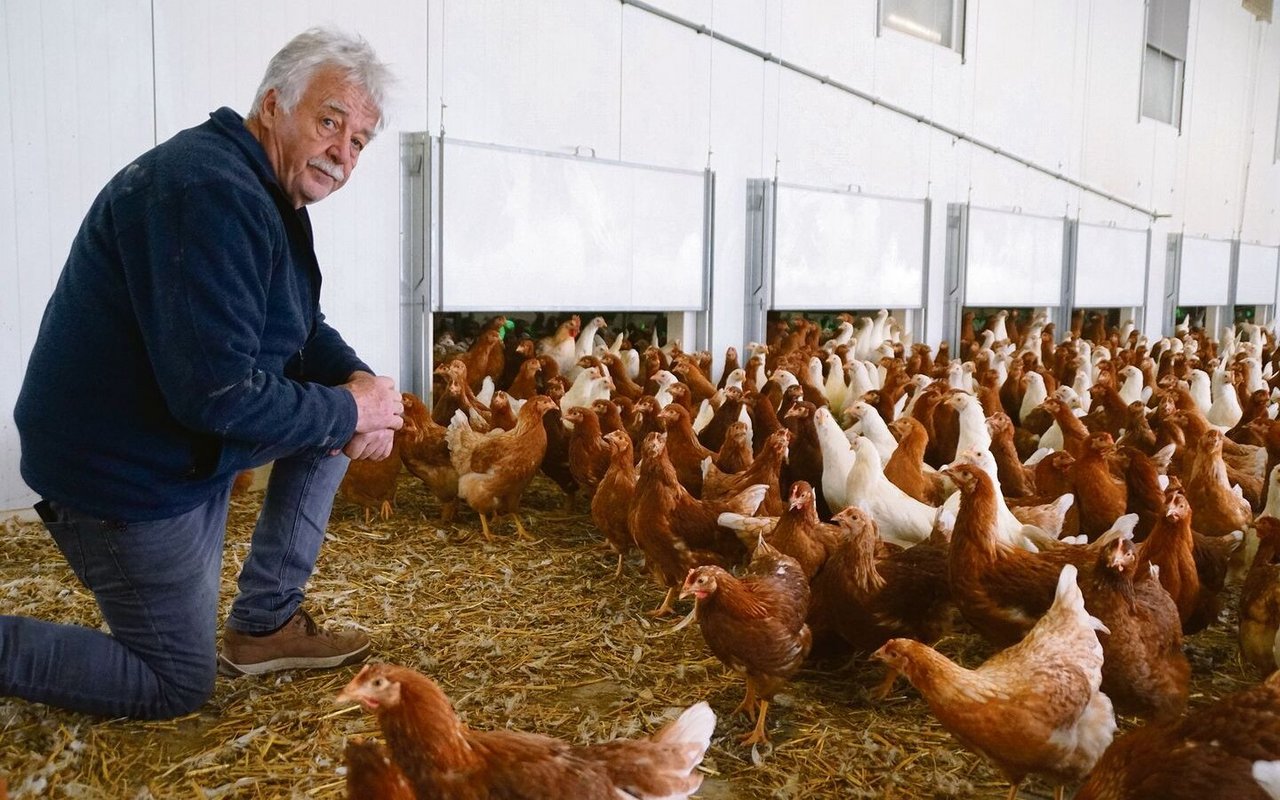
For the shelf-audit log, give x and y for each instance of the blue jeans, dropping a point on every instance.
(156, 584)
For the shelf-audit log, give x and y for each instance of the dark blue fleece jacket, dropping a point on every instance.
(183, 337)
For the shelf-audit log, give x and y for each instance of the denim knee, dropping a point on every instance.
(174, 698)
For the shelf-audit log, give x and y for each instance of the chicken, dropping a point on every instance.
(425, 454)
(1034, 708)
(867, 598)
(901, 518)
(765, 469)
(676, 531)
(371, 775)
(1100, 496)
(755, 625)
(1144, 671)
(588, 454)
(1212, 752)
(734, 455)
(478, 358)
(1000, 590)
(1016, 480)
(1218, 508)
(905, 468)
(444, 758)
(1170, 547)
(372, 484)
(562, 346)
(683, 448)
(1260, 601)
(612, 501)
(800, 534)
(494, 468)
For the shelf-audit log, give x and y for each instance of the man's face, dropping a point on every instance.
(315, 147)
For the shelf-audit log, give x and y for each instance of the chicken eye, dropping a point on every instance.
(378, 683)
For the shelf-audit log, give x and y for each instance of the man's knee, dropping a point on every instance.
(176, 697)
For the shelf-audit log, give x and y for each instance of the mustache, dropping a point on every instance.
(333, 170)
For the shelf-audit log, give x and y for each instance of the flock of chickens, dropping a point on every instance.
(1081, 502)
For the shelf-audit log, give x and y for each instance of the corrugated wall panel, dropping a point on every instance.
(78, 80)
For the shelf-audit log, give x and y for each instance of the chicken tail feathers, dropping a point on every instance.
(665, 767)
(748, 500)
(1069, 600)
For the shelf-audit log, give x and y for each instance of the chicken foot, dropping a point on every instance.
(484, 528)
(757, 734)
(666, 607)
(520, 531)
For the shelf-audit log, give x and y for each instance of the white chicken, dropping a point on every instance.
(1131, 391)
(900, 518)
(1033, 395)
(837, 457)
(865, 421)
(590, 385)
(835, 387)
(973, 423)
(1225, 410)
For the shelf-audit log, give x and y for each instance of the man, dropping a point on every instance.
(184, 343)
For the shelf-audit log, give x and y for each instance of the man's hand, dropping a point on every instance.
(373, 446)
(379, 406)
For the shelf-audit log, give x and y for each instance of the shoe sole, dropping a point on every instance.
(233, 670)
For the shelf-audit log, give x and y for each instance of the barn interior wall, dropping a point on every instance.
(1055, 82)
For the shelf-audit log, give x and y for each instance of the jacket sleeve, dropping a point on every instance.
(327, 359)
(199, 273)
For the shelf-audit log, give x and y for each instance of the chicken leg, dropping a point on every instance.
(520, 531)
(484, 528)
(748, 704)
(757, 734)
(665, 608)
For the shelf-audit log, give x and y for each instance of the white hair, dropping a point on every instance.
(291, 69)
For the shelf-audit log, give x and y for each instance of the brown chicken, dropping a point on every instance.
(525, 384)
(765, 469)
(867, 598)
(1260, 601)
(728, 413)
(1144, 671)
(1170, 547)
(1000, 591)
(675, 530)
(683, 448)
(494, 468)
(371, 775)
(611, 503)
(1016, 480)
(486, 348)
(1219, 751)
(734, 455)
(425, 454)
(372, 484)
(1218, 508)
(1034, 708)
(755, 625)
(801, 535)
(905, 468)
(1101, 497)
(588, 453)
(444, 758)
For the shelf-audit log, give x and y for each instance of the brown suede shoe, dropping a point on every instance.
(300, 644)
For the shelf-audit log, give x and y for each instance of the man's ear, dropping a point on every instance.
(269, 112)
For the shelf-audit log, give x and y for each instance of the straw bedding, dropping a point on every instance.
(531, 635)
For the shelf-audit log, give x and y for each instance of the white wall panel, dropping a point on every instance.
(78, 77)
(1256, 275)
(1111, 267)
(1013, 260)
(1204, 272)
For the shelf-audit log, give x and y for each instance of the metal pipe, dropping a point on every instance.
(888, 106)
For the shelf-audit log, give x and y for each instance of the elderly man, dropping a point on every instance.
(184, 343)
